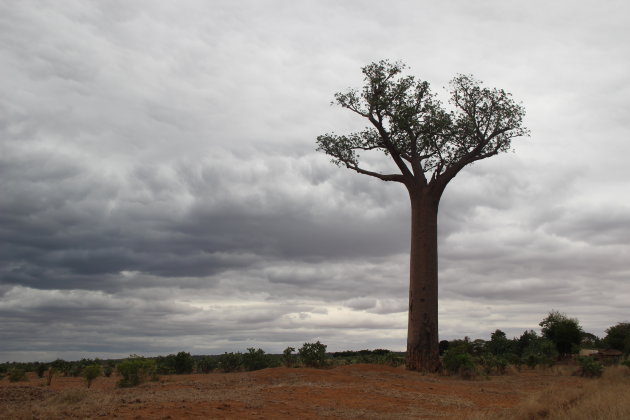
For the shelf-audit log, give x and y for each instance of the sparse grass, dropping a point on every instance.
(71, 403)
(606, 398)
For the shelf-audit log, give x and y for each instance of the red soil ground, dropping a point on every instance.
(349, 392)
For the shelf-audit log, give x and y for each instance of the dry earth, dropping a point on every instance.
(347, 392)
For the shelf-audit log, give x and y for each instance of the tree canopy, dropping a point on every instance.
(565, 332)
(428, 143)
(618, 337)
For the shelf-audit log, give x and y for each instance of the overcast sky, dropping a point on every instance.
(160, 189)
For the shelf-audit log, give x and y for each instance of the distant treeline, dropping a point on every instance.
(561, 338)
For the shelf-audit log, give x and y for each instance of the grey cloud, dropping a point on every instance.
(159, 188)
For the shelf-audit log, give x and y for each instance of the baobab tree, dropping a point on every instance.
(429, 146)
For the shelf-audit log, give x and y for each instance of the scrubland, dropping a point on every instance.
(365, 391)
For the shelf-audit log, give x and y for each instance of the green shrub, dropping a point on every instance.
(390, 359)
(288, 358)
(41, 369)
(183, 363)
(540, 351)
(313, 354)
(91, 372)
(590, 367)
(492, 364)
(626, 363)
(108, 370)
(256, 359)
(136, 370)
(231, 362)
(206, 364)
(180, 363)
(459, 362)
(17, 375)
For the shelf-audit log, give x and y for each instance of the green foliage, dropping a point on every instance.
(626, 363)
(231, 362)
(443, 346)
(378, 356)
(256, 359)
(41, 369)
(17, 375)
(313, 354)
(62, 366)
(524, 341)
(540, 351)
(180, 363)
(408, 123)
(618, 337)
(136, 370)
(590, 367)
(108, 369)
(458, 361)
(206, 364)
(91, 372)
(499, 344)
(566, 333)
(492, 364)
(288, 358)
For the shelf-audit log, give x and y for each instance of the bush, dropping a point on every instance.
(255, 359)
(390, 359)
(459, 362)
(313, 354)
(626, 363)
(206, 364)
(590, 367)
(17, 375)
(135, 371)
(108, 370)
(231, 362)
(288, 358)
(41, 369)
(91, 372)
(183, 363)
(180, 363)
(493, 364)
(540, 351)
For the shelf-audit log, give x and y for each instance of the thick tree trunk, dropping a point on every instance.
(422, 333)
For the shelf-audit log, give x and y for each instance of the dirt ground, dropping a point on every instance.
(347, 392)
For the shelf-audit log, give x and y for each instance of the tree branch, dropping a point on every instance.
(384, 177)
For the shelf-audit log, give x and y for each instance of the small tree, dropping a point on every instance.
(136, 370)
(590, 367)
(618, 337)
(41, 370)
(17, 375)
(288, 358)
(457, 360)
(313, 354)
(183, 363)
(566, 333)
(255, 359)
(499, 344)
(540, 351)
(231, 362)
(91, 372)
(207, 364)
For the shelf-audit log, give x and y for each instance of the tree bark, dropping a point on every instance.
(422, 333)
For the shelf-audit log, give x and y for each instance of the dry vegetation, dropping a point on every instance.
(347, 392)
(606, 398)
